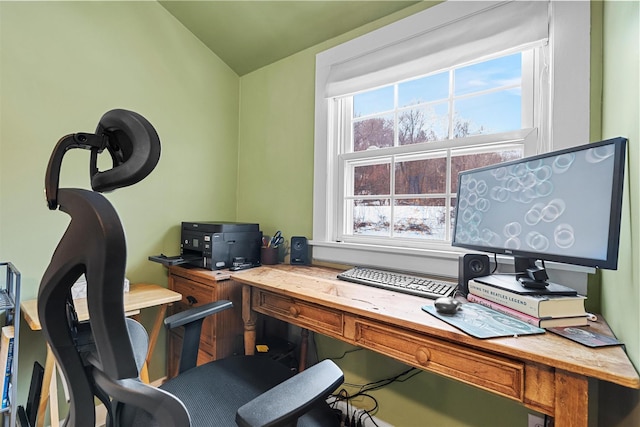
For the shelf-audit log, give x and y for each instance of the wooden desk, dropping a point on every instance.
(546, 372)
(140, 296)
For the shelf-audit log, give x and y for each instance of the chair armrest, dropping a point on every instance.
(196, 313)
(192, 320)
(286, 402)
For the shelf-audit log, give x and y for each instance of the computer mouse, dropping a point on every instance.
(447, 305)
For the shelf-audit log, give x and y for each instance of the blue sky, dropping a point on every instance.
(496, 111)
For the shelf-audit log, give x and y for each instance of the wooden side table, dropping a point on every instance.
(222, 334)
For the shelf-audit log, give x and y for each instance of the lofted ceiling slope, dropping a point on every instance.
(248, 35)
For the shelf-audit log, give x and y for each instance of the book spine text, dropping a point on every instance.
(506, 298)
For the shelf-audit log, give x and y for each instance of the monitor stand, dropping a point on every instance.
(533, 284)
(529, 274)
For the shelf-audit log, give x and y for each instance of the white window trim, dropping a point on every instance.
(567, 88)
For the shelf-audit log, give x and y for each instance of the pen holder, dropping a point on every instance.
(268, 256)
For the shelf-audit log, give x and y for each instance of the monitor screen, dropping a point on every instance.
(562, 206)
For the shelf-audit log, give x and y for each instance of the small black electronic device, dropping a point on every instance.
(215, 245)
(300, 251)
(563, 206)
(471, 266)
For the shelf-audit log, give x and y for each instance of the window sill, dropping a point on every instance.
(441, 263)
(432, 262)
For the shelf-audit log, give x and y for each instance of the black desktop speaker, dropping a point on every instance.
(471, 266)
(300, 251)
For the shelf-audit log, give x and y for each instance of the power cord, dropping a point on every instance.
(315, 346)
(410, 373)
(356, 417)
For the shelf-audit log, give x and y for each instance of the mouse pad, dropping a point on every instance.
(482, 322)
(585, 337)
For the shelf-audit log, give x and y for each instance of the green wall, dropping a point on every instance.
(620, 113)
(63, 65)
(275, 180)
(276, 128)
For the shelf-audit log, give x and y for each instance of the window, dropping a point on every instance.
(400, 111)
(396, 185)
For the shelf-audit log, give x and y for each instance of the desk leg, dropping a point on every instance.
(49, 371)
(54, 414)
(249, 318)
(304, 348)
(153, 339)
(572, 400)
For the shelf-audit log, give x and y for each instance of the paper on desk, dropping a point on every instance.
(79, 289)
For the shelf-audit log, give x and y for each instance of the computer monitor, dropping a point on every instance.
(563, 206)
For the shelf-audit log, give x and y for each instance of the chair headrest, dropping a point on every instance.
(131, 141)
(134, 147)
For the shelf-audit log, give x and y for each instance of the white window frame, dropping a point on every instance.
(524, 139)
(566, 124)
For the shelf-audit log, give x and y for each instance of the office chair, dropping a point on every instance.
(97, 357)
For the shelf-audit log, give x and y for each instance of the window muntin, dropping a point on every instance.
(415, 203)
(407, 142)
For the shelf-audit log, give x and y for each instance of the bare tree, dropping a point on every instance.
(375, 132)
(414, 177)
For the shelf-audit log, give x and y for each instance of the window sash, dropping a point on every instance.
(531, 95)
(348, 159)
(525, 139)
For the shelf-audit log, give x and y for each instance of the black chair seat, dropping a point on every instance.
(237, 379)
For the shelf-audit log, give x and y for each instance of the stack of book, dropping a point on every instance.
(559, 307)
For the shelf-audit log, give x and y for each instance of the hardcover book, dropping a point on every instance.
(545, 322)
(6, 361)
(510, 283)
(534, 305)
